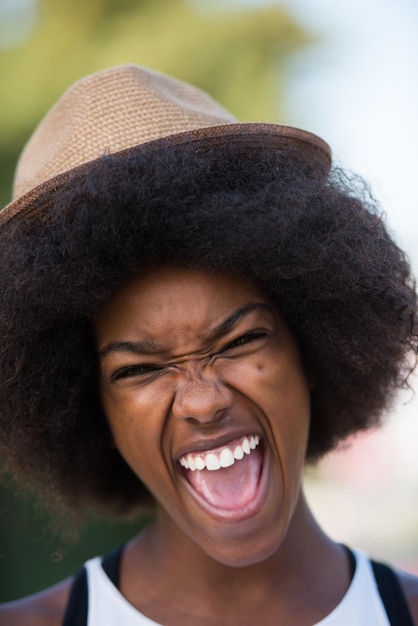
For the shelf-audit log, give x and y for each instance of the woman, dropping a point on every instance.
(192, 308)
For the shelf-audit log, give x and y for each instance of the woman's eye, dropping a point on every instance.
(134, 370)
(245, 339)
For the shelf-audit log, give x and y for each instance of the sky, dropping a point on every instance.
(359, 90)
(16, 21)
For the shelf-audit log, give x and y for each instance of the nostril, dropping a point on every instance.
(202, 403)
(212, 418)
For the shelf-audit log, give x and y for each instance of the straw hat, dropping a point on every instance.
(127, 109)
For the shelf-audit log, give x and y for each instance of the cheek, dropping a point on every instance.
(271, 380)
(280, 389)
(286, 396)
(136, 422)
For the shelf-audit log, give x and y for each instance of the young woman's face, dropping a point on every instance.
(208, 402)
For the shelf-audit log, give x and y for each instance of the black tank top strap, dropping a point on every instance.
(76, 613)
(351, 560)
(111, 565)
(389, 589)
(77, 607)
(392, 595)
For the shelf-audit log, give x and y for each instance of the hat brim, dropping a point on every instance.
(255, 137)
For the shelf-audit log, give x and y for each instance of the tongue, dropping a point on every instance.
(229, 488)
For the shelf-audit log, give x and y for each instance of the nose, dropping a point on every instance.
(201, 397)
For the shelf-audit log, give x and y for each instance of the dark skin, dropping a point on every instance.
(217, 363)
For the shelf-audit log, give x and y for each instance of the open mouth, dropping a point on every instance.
(226, 478)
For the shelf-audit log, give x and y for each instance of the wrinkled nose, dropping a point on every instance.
(200, 397)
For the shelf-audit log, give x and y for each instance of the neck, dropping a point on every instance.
(177, 568)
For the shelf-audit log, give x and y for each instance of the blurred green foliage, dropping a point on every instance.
(237, 56)
(32, 557)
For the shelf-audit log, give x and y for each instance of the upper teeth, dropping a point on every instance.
(219, 457)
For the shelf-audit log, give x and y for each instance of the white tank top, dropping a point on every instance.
(361, 605)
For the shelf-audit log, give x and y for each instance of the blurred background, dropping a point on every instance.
(347, 71)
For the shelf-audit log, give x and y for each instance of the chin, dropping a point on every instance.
(244, 553)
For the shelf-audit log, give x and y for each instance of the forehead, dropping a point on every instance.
(170, 299)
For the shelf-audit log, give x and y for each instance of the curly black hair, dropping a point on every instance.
(316, 242)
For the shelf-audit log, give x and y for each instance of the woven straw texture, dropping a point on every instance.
(129, 107)
(107, 112)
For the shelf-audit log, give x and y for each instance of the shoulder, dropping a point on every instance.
(409, 584)
(46, 608)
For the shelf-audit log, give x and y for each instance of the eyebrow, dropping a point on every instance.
(144, 346)
(231, 321)
(149, 346)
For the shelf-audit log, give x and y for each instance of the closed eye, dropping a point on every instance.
(134, 370)
(245, 339)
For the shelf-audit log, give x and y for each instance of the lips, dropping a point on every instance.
(226, 479)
